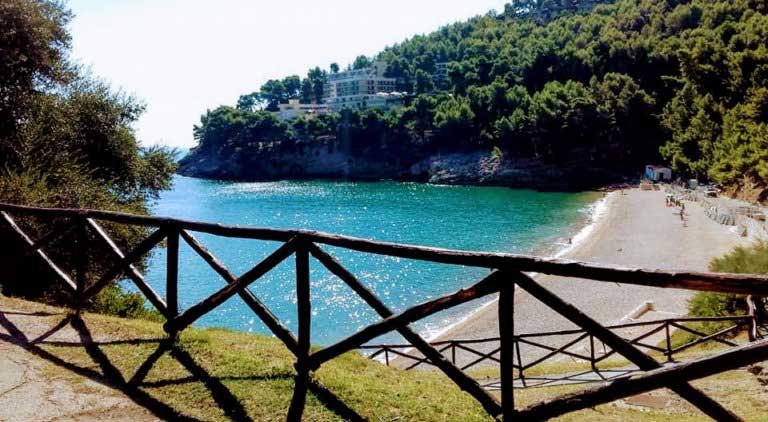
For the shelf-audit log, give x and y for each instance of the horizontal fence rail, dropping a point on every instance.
(508, 271)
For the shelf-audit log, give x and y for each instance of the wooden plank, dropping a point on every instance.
(124, 264)
(266, 316)
(752, 306)
(658, 378)
(81, 261)
(506, 307)
(304, 310)
(60, 274)
(303, 303)
(172, 272)
(489, 403)
(710, 407)
(193, 313)
(718, 282)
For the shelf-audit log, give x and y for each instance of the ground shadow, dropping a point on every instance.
(110, 376)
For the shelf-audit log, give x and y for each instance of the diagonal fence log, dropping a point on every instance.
(483, 356)
(700, 334)
(643, 361)
(483, 288)
(705, 338)
(124, 263)
(648, 381)
(129, 269)
(193, 313)
(553, 351)
(487, 286)
(39, 252)
(50, 237)
(420, 360)
(635, 341)
(267, 317)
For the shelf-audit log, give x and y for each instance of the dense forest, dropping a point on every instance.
(66, 140)
(616, 84)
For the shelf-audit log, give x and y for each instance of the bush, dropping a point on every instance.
(114, 300)
(66, 140)
(749, 260)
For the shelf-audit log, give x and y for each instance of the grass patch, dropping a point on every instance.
(218, 374)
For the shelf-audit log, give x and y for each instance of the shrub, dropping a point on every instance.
(114, 300)
(66, 140)
(750, 260)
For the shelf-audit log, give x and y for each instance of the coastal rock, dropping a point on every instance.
(328, 161)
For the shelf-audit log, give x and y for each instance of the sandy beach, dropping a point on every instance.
(635, 230)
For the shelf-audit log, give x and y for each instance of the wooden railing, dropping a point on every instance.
(577, 345)
(508, 271)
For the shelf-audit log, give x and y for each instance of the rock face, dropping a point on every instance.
(326, 162)
(482, 168)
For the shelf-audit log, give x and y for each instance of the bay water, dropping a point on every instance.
(467, 218)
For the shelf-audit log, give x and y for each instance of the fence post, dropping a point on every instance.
(172, 275)
(304, 341)
(81, 263)
(754, 317)
(669, 341)
(507, 347)
(521, 374)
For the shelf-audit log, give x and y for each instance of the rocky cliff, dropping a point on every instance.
(324, 162)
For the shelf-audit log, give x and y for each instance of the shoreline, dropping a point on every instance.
(632, 229)
(597, 212)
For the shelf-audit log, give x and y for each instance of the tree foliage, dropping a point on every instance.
(619, 83)
(66, 139)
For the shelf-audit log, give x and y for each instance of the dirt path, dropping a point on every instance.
(33, 388)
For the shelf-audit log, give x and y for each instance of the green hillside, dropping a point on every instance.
(624, 83)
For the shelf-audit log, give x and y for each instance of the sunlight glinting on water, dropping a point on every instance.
(469, 218)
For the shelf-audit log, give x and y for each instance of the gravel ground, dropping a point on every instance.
(33, 388)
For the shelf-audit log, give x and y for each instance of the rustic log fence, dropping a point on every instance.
(579, 346)
(508, 271)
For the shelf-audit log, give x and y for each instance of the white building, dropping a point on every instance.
(295, 109)
(380, 100)
(361, 88)
(658, 173)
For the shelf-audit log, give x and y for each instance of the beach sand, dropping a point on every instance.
(636, 230)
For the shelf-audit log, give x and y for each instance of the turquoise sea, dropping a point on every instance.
(469, 218)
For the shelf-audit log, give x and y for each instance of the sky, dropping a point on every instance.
(182, 57)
